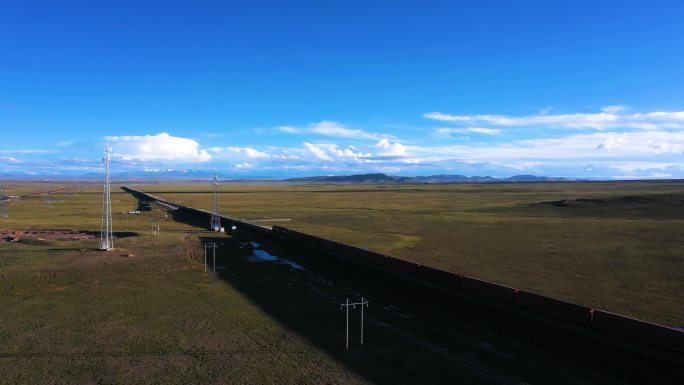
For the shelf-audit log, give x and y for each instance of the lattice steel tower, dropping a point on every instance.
(4, 202)
(106, 238)
(215, 223)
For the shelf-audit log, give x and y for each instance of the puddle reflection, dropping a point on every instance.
(259, 255)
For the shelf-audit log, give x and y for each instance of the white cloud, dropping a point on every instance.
(160, 147)
(317, 151)
(249, 152)
(330, 152)
(628, 144)
(658, 147)
(333, 129)
(289, 129)
(609, 117)
(613, 109)
(468, 130)
(243, 166)
(639, 167)
(611, 144)
(482, 130)
(285, 154)
(645, 175)
(27, 151)
(390, 149)
(8, 159)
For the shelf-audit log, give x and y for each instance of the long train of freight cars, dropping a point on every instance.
(658, 336)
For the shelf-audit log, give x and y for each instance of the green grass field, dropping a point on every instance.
(143, 313)
(147, 312)
(620, 250)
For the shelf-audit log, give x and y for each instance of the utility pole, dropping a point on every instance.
(155, 225)
(206, 246)
(348, 304)
(106, 235)
(362, 302)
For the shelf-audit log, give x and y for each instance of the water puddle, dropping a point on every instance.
(259, 255)
(318, 285)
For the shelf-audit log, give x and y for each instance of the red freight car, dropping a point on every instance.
(262, 230)
(296, 235)
(309, 239)
(488, 289)
(371, 257)
(281, 231)
(328, 244)
(555, 308)
(658, 336)
(348, 251)
(401, 265)
(255, 229)
(440, 277)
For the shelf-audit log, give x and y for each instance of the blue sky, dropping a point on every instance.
(279, 89)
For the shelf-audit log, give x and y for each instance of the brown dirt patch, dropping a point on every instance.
(45, 235)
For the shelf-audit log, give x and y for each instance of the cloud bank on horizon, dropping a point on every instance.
(611, 143)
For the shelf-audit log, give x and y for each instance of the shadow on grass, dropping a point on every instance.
(412, 333)
(303, 291)
(116, 234)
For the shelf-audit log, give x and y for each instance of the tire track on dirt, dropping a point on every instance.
(47, 276)
(5, 283)
(191, 252)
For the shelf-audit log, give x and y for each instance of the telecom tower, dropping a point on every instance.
(106, 238)
(4, 201)
(47, 200)
(215, 223)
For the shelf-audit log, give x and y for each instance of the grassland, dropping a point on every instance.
(613, 245)
(147, 312)
(143, 313)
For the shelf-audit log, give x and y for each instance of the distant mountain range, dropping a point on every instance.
(198, 175)
(442, 178)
